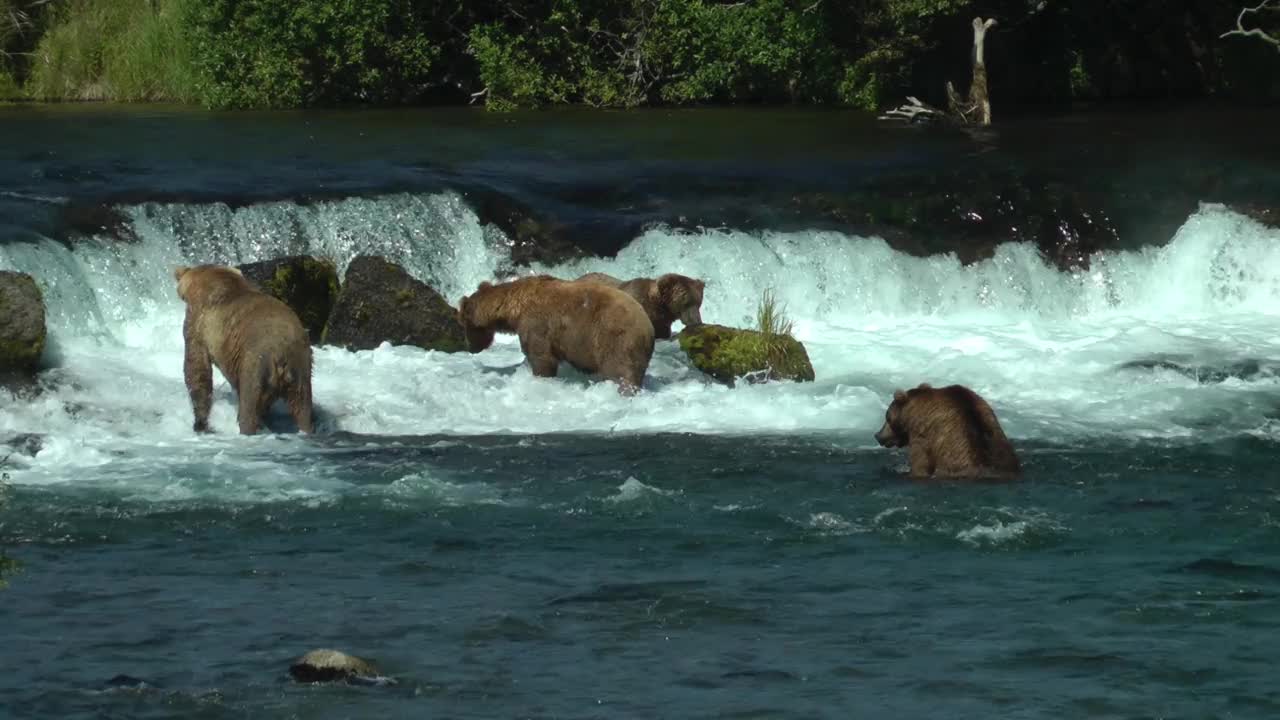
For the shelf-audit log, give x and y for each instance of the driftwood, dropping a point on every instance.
(1263, 35)
(972, 110)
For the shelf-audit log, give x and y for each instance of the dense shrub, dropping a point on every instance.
(620, 53)
(289, 53)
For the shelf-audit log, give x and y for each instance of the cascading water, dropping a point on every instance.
(1044, 346)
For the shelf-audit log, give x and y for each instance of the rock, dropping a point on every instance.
(381, 302)
(1265, 214)
(93, 220)
(322, 666)
(22, 323)
(23, 444)
(533, 237)
(727, 353)
(128, 682)
(307, 284)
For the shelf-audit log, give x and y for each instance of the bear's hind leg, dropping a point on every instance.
(922, 464)
(300, 404)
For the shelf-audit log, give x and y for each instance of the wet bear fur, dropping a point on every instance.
(593, 327)
(669, 298)
(256, 341)
(951, 432)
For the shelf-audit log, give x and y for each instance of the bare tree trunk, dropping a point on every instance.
(1254, 32)
(973, 110)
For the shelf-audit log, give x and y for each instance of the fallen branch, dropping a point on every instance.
(1241, 31)
(912, 111)
(972, 110)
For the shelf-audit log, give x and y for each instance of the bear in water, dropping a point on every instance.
(593, 327)
(951, 432)
(669, 298)
(257, 342)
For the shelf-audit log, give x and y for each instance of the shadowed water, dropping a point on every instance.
(645, 576)
(511, 546)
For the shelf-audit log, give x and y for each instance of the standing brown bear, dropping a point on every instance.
(951, 432)
(593, 327)
(256, 341)
(669, 298)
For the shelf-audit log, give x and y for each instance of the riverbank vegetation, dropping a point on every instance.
(623, 53)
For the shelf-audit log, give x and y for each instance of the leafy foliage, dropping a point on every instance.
(619, 53)
(289, 53)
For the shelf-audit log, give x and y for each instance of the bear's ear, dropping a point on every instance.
(924, 386)
(485, 285)
(179, 271)
(899, 396)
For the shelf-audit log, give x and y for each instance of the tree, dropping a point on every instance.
(1257, 32)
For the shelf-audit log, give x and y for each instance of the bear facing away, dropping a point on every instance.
(950, 432)
(593, 327)
(256, 341)
(669, 298)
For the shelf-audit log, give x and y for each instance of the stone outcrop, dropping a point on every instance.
(22, 324)
(307, 284)
(381, 302)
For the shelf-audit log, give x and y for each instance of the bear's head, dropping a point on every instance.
(207, 284)
(479, 336)
(894, 431)
(682, 297)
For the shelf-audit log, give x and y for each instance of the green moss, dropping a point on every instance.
(404, 296)
(729, 353)
(16, 354)
(309, 286)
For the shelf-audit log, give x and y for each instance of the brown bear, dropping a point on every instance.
(593, 327)
(257, 342)
(669, 298)
(951, 432)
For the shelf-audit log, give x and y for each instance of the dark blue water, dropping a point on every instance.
(505, 546)
(669, 575)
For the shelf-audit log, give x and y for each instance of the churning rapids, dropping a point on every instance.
(1065, 357)
(508, 546)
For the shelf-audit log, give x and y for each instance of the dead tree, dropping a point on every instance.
(1241, 31)
(972, 110)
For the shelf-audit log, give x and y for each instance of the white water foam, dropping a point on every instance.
(1043, 346)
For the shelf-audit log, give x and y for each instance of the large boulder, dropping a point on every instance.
(727, 354)
(324, 666)
(307, 284)
(380, 302)
(22, 323)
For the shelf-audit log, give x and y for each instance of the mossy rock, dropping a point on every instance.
(727, 354)
(381, 302)
(22, 323)
(307, 284)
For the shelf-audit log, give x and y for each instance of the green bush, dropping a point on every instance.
(277, 53)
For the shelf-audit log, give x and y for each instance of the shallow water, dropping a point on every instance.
(508, 546)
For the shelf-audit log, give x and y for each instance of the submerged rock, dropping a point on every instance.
(100, 220)
(28, 444)
(307, 284)
(727, 354)
(324, 666)
(534, 237)
(22, 323)
(380, 302)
